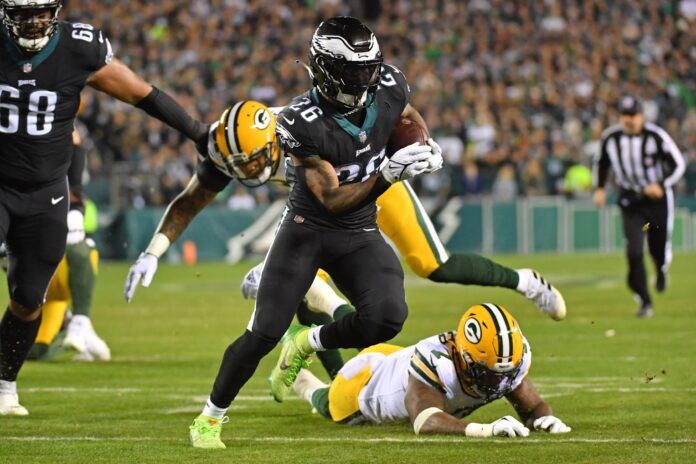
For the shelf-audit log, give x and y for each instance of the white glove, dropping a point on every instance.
(508, 426)
(551, 424)
(250, 284)
(406, 163)
(145, 268)
(76, 227)
(435, 161)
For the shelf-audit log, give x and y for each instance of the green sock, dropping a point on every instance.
(470, 269)
(342, 311)
(331, 360)
(81, 277)
(320, 401)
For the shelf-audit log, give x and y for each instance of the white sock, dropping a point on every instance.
(314, 339)
(7, 387)
(306, 384)
(80, 320)
(213, 411)
(523, 283)
(322, 298)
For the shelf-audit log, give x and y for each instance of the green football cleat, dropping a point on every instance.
(205, 432)
(293, 357)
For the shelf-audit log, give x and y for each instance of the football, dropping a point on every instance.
(405, 132)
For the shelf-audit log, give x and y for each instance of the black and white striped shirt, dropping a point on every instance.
(648, 157)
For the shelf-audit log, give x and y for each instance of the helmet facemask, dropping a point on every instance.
(486, 382)
(31, 23)
(257, 168)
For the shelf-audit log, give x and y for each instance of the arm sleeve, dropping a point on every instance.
(673, 159)
(210, 177)
(601, 164)
(160, 105)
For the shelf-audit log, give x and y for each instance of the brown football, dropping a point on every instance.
(405, 132)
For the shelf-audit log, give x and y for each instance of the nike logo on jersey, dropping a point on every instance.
(55, 201)
(27, 82)
(289, 121)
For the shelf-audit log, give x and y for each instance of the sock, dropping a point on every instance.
(313, 341)
(7, 387)
(16, 338)
(213, 411)
(331, 360)
(320, 401)
(322, 298)
(343, 311)
(82, 271)
(471, 269)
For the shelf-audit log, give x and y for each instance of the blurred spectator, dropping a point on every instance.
(526, 82)
(241, 199)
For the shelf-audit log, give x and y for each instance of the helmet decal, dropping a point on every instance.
(262, 119)
(472, 330)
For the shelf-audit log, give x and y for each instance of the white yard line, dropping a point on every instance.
(306, 439)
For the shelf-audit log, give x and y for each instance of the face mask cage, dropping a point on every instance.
(348, 82)
(29, 32)
(256, 169)
(485, 381)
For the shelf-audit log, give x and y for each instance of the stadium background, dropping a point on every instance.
(517, 94)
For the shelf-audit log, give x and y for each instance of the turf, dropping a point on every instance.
(628, 397)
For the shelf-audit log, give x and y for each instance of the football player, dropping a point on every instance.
(440, 380)
(336, 135)
(44, 64)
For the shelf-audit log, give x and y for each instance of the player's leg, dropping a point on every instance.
(370, 275)
(83, 262)
(289, 269)
(633, 228)
(661, 219)
(52, 316)
(36, 244)
(403, 219)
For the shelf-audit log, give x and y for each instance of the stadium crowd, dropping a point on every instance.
(516, 92)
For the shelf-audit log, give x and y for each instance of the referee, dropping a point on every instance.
(646, 164)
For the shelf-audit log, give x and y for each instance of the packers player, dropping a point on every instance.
(440, 380)
(74, 281)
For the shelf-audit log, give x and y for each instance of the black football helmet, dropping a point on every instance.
(345, 61)
(29, 32)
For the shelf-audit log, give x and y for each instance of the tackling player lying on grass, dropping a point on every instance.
(440, 380)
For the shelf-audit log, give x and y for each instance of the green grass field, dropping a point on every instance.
(167, 345)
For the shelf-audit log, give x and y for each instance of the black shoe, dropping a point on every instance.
(661, 281)
(645, 311)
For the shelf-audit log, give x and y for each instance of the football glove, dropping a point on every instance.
(508, 426)
(407, 163)
(144, 268)
(435, 161)
(76, 227)
(551, 424)
(250, 284)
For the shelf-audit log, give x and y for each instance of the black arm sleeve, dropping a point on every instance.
(602, 164)
(75, 171)
(163, 107)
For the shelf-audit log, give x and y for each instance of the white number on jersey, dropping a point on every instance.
(42, 107)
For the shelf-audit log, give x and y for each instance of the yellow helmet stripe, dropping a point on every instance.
(503, 330)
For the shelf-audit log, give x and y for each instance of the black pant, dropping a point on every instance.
(643, 216)
(361, 264)
(33, 224)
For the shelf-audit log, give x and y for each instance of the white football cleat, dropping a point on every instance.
(75, 338)
(96, 347)
(9, 405)
(544, 295)
(84, 340)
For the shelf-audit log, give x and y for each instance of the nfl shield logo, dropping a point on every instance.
(26, 68)
(362, 136)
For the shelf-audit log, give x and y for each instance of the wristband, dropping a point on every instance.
(422, 417)
(478, 430)
(158, 245)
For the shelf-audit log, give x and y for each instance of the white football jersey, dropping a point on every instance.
(429, 361)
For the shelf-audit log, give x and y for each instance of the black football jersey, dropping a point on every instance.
(310, 126)
(39, 98)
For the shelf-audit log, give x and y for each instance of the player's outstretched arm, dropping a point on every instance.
(119, 81)
(534, 412)
(425, 406)
(177, 217)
